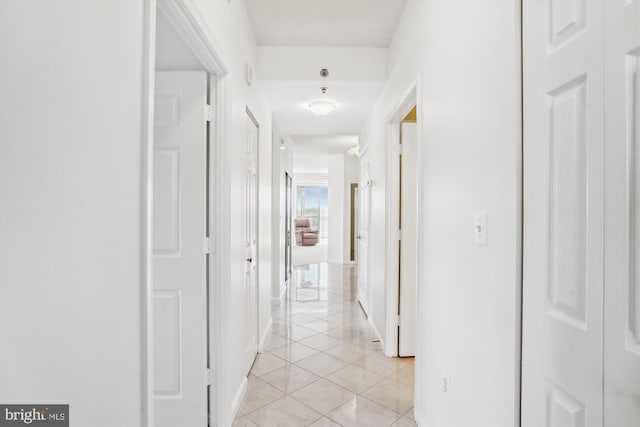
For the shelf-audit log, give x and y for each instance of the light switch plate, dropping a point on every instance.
(480, 229)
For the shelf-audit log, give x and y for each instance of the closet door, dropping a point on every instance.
(622, 214)
(563, 213)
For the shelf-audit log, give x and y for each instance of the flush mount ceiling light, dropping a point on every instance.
(321, 108)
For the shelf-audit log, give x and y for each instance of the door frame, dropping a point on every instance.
(187, 19)
(411, 98)
(252, 117)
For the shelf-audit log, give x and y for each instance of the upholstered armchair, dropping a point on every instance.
(305, 236)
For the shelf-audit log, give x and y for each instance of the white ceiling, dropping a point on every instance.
(325, 22)
(354, 101)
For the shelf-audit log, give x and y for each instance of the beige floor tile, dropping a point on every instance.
(290, 378)
(285, 412)
(275, 341)
(258, 394)
(321, 364)
(321, 342)
(265, 363)
(361, 412)
(355, 378)
(391, 394)
(294, 352)
(323, 396)
(348, 352)
(301, 318)
(320, 325)
(243, 421)
(378, 363)
(405, 422)
(405, 375)
(324, 422)
(296, 333)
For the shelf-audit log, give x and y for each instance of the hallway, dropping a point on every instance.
(321, 365)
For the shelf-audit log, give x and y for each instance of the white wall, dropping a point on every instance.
(466, 54)
(231, 28)
(71, 185)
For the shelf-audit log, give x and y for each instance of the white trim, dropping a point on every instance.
(146, 212)
(189, 22)
(418, 419)
(239, 396)
(395, 115)
(265, 335)
(283, 292)
(370, 320)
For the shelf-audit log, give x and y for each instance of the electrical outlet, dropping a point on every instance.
(446, 385)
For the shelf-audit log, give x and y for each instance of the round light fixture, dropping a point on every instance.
(321, 108)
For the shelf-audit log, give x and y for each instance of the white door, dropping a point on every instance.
(179, 260)
(409, 242)
(622, 215)
(364, 192)
(563, 213)
(251, 239)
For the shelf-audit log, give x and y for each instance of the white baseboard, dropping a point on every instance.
(418, 419)
(376, 331)
(283, 292)
(265, 335)
(237, 399)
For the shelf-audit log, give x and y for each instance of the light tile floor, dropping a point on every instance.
(322, 366)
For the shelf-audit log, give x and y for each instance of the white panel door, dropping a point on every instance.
(409, 242)
(622, 214)
(364, 194)
(563, 213)
(251, 239)
(179, 269)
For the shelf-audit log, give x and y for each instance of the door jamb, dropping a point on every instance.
(188, 20)
(394, 117)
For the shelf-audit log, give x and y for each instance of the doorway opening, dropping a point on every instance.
(402, 213)
(185, 180)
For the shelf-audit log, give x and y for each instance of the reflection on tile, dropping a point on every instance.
(405, 375)
(348, 352)
(320, 325)
(265, 363)
(321, 364)
(355, 378)
(321, 342)
(274, 341)
(258, 394)
(392, 395)
(290, 378)
(294, 352)
(361, 412)
(295, 332)
(285, 412)
(405, 422)
(324, 422)
(323, 396)
(243, 422)
(378, 363)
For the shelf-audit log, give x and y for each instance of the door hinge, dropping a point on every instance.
(208, 113)
(210, 376)
(400, 150)
(209, 245)
(399, 234)
(396, 320)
